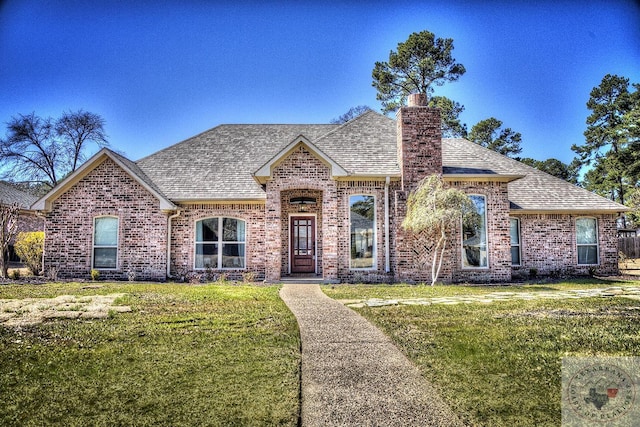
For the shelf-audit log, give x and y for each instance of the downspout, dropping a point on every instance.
(175, 215)
(387, 267)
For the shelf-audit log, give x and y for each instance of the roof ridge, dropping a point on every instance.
(351, 122)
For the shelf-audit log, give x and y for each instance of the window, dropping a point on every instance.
(515, 241)
(105, 242)
(363, 231)
(587, 240)
(474, 235)
(220, 243)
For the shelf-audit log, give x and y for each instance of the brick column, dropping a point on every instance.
(330, 232)
(273, 242)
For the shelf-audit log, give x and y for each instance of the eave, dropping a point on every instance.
(263, 174)
(45, 202)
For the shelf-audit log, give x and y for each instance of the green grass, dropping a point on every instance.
(499, 364)
(205, 355)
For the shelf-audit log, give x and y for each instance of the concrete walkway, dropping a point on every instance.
(352, 375)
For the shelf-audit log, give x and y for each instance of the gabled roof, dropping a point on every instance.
(10, 195)
(263, 174)
(220, 164)
(232, 162)
(536, 191)
(127, 165)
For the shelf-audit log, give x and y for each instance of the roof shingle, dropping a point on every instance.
(218, 164)
(10, 195)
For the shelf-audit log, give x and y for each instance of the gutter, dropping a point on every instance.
(387, 267)
(175, 215)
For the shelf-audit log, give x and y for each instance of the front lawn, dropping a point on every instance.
(499, 364)
(206, 355)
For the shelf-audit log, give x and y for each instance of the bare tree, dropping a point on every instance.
(42, 150)
(351, 114)
(8, 229)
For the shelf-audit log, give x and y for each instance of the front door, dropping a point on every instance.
(303, 244)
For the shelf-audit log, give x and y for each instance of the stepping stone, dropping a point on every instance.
(356, 305)
(381, 303)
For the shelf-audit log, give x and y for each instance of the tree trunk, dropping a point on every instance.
(442, 241)
(4, 265)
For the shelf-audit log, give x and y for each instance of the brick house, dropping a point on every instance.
(27, 219)
(321, 201)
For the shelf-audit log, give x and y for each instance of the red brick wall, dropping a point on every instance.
(352, 188)
(419, 144)
(412, 261)
(306, 174)
(183, 234)
(548, 244)
(28, 221)
(142, 234)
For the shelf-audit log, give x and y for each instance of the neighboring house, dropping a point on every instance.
(27, 219)
(324, 201)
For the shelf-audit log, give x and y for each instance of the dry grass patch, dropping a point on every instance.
(500, 364)
(185, 355)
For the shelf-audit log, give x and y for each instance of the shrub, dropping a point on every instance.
(249, 277)
(95, 275)
(15, 274)
(29, 247)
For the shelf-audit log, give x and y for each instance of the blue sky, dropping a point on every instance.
(160, 72)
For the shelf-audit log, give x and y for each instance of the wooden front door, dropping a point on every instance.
(303, 244)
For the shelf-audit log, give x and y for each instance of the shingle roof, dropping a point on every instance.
(10, 195)
(137, 172)
(536, 191)
(364, 146)
(219, 164)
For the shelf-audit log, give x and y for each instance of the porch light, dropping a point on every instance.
(303, 200)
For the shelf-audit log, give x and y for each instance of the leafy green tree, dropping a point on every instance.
(450, 112)
(351, 114)
(436, 211)
(611, 139)
(568, 172)
(632, 218)
(420, 62)
(44, 150)
(29, 247)
(490, 134)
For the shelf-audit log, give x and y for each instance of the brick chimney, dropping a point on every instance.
(419, 141)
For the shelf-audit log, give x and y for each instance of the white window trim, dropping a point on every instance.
(94, 246)
(375, 233)
(519, 245)
(597, 244)
(219, 242)
(486, 232)
(315, 238)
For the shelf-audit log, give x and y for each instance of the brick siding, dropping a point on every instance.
(183, 235)
(27, 221)
(301, 173)
(548, 241)
(142, 234)
(548, 244)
